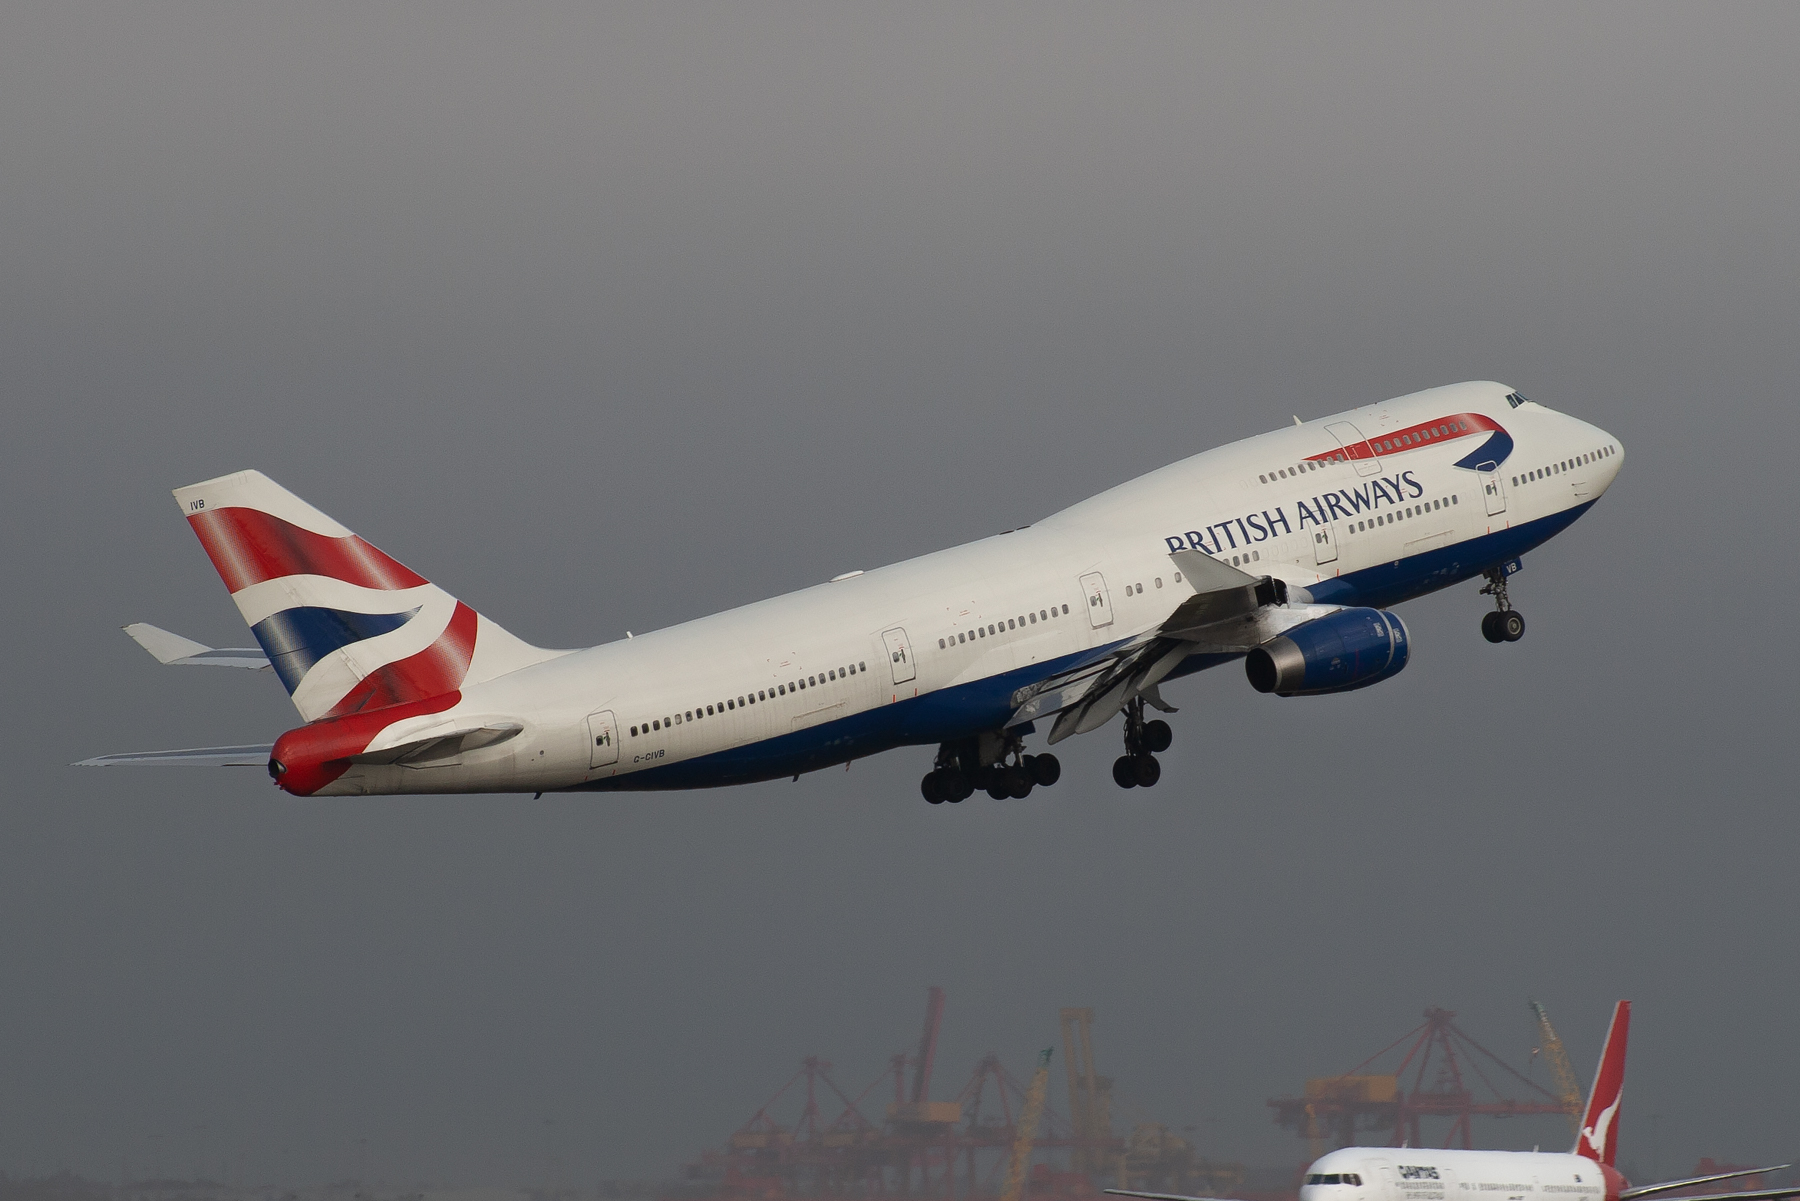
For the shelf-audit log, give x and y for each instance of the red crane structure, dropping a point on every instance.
(1447, 1067)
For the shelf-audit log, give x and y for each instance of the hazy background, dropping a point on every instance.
(609, 317)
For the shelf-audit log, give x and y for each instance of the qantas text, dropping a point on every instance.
(1260, 527)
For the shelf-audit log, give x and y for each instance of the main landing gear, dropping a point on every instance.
(960, 770)
(1137, 767)
(1505, 624)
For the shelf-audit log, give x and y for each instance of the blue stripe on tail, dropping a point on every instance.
(295, 639)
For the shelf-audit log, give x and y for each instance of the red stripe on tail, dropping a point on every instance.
(439, 668)
(248, 546)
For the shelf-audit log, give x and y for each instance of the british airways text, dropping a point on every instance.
(1260, 527)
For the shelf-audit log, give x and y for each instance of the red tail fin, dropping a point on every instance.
(1599, 1137)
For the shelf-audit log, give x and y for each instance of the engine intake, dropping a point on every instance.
(1346, 650)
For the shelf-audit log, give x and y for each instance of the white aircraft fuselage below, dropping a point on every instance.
(1361, 509)
(1389, 1174)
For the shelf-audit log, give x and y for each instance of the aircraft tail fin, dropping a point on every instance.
(345, 626)
(1599, 1137)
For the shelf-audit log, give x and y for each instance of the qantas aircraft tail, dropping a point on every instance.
(1599, 1137)
(346, 627)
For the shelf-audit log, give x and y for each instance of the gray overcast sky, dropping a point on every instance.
(607, 317)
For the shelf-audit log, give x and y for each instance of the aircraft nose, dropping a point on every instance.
(1611, 456)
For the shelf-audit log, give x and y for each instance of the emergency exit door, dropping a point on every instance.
(899, 652)
(603, 739)
(1325, 544)
(1099, 604)
(1491, 493)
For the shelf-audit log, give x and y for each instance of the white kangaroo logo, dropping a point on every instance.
(1596, 1134)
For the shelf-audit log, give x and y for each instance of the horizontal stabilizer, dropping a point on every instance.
(206, 756)
(185, 652)
(437, 747)
(1649, 1190)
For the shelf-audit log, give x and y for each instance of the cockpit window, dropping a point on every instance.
(1514, 399)
(1334, 1178)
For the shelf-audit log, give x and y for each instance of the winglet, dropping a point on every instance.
(1599, 1137)
(185, 652)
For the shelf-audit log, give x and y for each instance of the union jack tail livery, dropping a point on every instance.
(347, 628)
(1599, 1137)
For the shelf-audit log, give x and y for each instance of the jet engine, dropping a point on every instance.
(1349, 649)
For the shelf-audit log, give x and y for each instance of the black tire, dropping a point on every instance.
(1158, 736)
(959, 789)
(1146, 771)
(1490, 627)
(1047, 768)
(932, 788)
(1512, 625)
(1018, 783)
(1124, 774)
(999, 789)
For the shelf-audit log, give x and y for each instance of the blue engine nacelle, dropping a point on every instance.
(1349, 649)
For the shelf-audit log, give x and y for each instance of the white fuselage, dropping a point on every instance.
(1389, 1174)
(904, 655)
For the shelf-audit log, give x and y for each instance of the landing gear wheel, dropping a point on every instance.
(932, 788)
(1018, 783)
(1511, 625)
(1490, 627)
(1046, 769)
(1157, 736)
(958, 788)
(1145, 770)
(1125, 772)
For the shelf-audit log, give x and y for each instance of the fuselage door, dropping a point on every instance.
(1360, 450)
(1099, 604)
(1491, 493)
(603, 739)
(899, 652)
(1325, 544)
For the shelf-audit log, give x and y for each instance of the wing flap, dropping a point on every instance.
(1229, 612)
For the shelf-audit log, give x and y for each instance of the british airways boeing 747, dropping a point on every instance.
(1285, 551)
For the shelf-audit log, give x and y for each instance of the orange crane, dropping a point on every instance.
(1027, 1129)
(1090, 1095)
(1568, 1087)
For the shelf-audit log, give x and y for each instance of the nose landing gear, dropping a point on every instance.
(1137, 767)
(1505, 624)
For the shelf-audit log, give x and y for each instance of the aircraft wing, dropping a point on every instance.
(1230, 612)
(185, 652)
(1124, 1192)
(1648, 1190)
(206, 756)
(1761, 1194)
